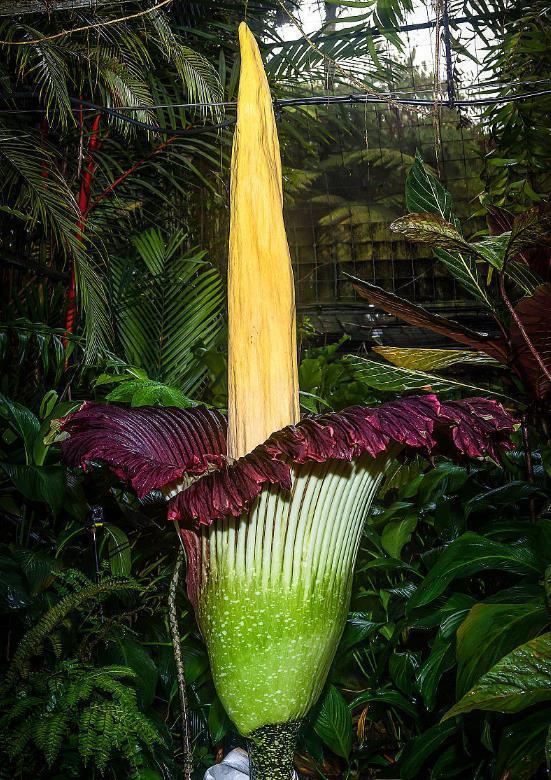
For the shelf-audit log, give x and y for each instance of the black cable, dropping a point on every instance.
(150, 127)
(321, 100)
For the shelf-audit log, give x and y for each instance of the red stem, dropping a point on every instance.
(83, 207)
(129, 171)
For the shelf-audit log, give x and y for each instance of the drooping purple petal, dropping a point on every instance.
(477, 427)
(152, 447)
(231, 490)
(148, 446)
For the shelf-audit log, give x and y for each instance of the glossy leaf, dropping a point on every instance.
(393, 379)
(130, 653)
(120, 553)
(393, 698)
(397, 534)
(420, 317)
(424, 193)
(440, 660)
(430, 229)
(519, 680)
(334, 723)
(22, 421)
(489, 632)
(464, 269)
(39, 483)
(522, 746)
(421, 748)
(468, 554)
(431, 359)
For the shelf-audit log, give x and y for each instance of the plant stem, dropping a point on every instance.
(176, 645)
(272, 750)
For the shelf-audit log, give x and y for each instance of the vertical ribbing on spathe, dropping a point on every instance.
(275, 586)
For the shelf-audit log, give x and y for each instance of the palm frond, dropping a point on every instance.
(168, 305)
(33, 184)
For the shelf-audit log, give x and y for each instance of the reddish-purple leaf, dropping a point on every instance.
(533, 313)
(417, 315)
(149, 446)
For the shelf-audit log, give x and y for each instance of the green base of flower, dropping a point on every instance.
(271, 648)
(275, 587)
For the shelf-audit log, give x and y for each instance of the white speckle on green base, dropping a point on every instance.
(275, 589)
(278, 660)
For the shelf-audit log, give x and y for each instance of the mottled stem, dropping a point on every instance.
(271, 751)
(178, 660)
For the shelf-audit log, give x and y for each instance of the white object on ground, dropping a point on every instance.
(235, 766)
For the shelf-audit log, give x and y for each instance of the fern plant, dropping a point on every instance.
(97, 705)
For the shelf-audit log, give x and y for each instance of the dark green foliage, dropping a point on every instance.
(459, 606)
(94, 708)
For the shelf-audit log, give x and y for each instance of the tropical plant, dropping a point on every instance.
(261, 574)
(517, 303)
(448, 605)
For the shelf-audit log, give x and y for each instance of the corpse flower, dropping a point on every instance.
(271, 506)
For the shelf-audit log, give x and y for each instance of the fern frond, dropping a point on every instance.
(33, 639)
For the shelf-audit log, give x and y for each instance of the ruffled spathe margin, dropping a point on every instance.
(153, 447)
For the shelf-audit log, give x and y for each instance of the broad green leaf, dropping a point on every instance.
(128, 652)
(467, 555)
(39, 483)
(440, 660)
(120, 553)
(403, 668)
(420, 359)
(522, 746)
(453, 611)
(394, 698)
(138, 392)
(489, 632)
(463, 268)
(419, 749)
(22, 421)
(333, 723)
(521, 679)
(424, 193)
(397, 534)
(358, 627)
(492, 249)
(522, 276)
(391, 379)
(218, 721)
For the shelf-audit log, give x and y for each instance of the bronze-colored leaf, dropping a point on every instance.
(431, 359)
(533, 313)
(417, 315)
(430, 229)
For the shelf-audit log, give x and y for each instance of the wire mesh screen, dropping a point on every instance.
(340, 220)
(345, 183)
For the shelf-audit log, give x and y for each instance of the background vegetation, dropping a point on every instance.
(113, 248)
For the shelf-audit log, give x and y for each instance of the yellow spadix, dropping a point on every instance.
(262, 352)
